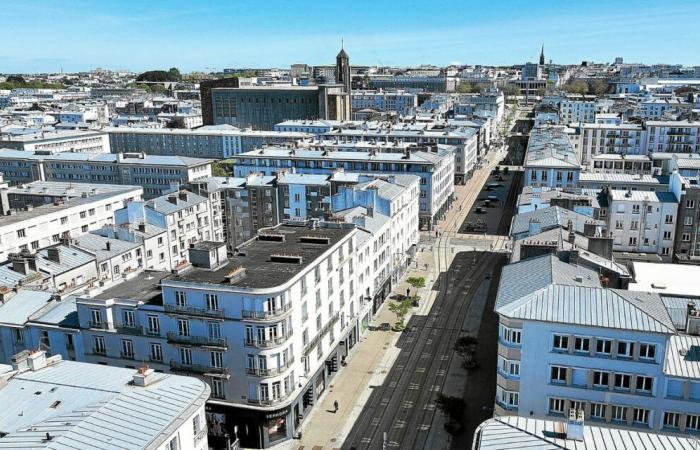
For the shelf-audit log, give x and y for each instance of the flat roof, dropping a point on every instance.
(144, 287)
(418, 157)
(666, 278)
(518, 433)
(93, 406)
(256, 257)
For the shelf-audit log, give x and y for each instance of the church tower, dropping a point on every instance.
(342, 70)
(542, 56)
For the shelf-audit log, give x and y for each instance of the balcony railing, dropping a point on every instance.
(270, 401)
(266, 315)
(267, 343)
(198, 369)
(204, 341)
(192, 311)
(326, 328)
(101, 325)
(254, 371)
(130, 329)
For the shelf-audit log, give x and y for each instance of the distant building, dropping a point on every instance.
(550, 159)
(52, 142)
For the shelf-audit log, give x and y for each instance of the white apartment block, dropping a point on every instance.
(186, 218)
(673, 136)
(642, 221)
(51, 403)
(41, 214)
(266, 329)
(52, 142)
(610, 163)
(401, 102)
(436, 170)
(577, 110)
(565, 343)
(599, 138)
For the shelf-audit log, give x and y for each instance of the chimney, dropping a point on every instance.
(20, 264)
(572, 233)
(574, 426)
(534, 226)
(142, 227)
(589, 229)
(143, 377)
(370, 211)
(19, 360)
(573, 256)
(172, 199)
(37, 360)
(692, 325)
(182, 196)
(53, 254)
(108, 246)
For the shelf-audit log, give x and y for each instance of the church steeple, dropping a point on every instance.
(542, 56)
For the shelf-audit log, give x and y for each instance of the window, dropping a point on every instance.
(669, 218)
(690, 204)
(196, 424)
(174, 444)
(619, 413)
(622, 381)
(647, 351)
(644, 384)
(180, 298)
(561, 342)
(217, 359)
(640, 416)
(558, 374)
(21, 233)
(601, 379)
(692, 422)
(685, 237)
(153, 324)
(671, 420)
(183, 327)
(510, 336)
(667, 235)
(598, 411)
(95, 317)
(625, 349)
(582, 344)
(688, 221)
(156, 352)
(128, 317)
(127, 348)
(18, 335)
(98, 345)
(635, 209)
(603, 346)
(186, 355)
(217, 388)
(556, 406)
(212, 302)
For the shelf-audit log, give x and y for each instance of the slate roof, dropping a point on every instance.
(554, 216)
(683, 357)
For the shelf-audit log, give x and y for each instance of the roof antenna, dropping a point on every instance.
(342, 44)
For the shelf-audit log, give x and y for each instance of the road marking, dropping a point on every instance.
(413, 386)
(420, 370)
(375, 421)
(407, 404)
(400, 424)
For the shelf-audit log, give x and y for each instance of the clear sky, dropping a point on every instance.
(45, 35)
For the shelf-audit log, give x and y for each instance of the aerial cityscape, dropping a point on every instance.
(358, 227)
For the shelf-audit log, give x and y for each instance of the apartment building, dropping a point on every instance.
(157, 174)
(436, 170)
(401, 102)
(621, 164)
(40, 214)
(550, 159)
(577, 110)
(599, 139)
(59, 141)
(264, 328)
(681, 136)
(643, 221)
(216, 142)
(566, 343)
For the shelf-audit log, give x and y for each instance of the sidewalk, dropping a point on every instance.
(367, 365)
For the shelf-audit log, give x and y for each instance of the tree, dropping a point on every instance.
(416, 282)
(453, 408)
(599, 87)
(465, 346)
(576, 87)
(510, 89)
(400, 309)
(15, 79)
(174, 74)
(222, 169)
(468, 88)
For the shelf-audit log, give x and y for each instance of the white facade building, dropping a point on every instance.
(673, 136)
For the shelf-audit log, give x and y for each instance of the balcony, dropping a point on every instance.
(192, 311)
(254, 371)
(267, 343)
(270, 401)
(100, 325)
(199, 369)
(319, 336)
(266, 315)
(204, 341)
(130, 329)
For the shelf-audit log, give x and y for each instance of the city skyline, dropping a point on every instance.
(219, 35)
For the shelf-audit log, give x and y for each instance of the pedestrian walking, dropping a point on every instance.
(335, 405)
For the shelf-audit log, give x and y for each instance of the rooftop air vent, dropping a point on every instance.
(271, 237)
(285, 258)
(315, 240)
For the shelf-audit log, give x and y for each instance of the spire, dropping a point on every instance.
(542, 56)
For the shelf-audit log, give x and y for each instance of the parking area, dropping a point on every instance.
(490, 211)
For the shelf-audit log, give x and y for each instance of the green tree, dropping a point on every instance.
(576, 87)
(174, 74)
(468, 88)
(416, 283)
(15, 79)
(222, 169)
(400, 309)
(510, 89)
(465, 346)
(599, 87)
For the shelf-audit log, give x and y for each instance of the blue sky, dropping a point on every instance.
(45, 35)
